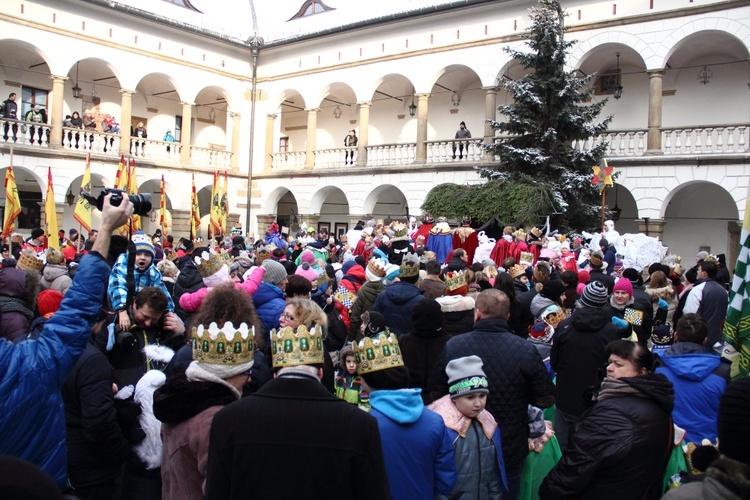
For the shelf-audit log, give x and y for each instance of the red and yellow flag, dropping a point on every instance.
(50, 214)
(163, 209)
(195, 213)
(121, 179)
(216, 206)
(82, 213)
(12, 203)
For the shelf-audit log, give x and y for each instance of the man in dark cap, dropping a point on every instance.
(578, 353)
(36, 242)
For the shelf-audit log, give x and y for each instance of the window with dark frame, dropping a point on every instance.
(31, 96)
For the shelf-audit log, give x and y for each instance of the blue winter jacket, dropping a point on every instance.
(269, 303)
(32, 418)
(699, 380)
(395, 304)
(416, 445)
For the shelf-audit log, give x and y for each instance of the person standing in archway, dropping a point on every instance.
(461, 133)
(350, 141)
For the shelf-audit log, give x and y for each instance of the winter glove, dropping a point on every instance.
(619, 322)
(663, 304)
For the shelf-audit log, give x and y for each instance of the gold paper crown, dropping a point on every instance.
(377, 267)
(400, 231)
(527, 257)
(455, 280)
(209, 263)
(293, 349)
(517, 271)
(29, 261)
(226, 257)
(378, 353)
(409, 266)
(228, 345)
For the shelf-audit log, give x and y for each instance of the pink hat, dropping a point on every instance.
(624, 285)
(307, 256)
(306, 271)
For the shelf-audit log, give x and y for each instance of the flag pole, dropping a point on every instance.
(10, 246)
(604, 199)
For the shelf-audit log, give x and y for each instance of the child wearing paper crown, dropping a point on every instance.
(348, 384)
(145, 274)
(473, 431)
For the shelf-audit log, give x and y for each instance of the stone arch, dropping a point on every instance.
(272, 199)
(319, 198)
(14, 46)
(376, 208)
(278, 100)
(672, 42)
(585, 48)
(690, 226)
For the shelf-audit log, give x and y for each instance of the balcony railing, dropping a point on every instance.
(621, 142)
(288, 160)
(75, 139)
(731, 138)
(25, 133)
(210, 157)
(452, 150)
(335, 158)
(391, 154)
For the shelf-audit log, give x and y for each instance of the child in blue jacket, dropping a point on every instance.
(473, 431)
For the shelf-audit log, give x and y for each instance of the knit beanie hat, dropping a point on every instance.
(48, 302)
(374, 324)
(306, 271)
(733, 424)
(275, 272)
(465, 375)
(307, 256)
(623, 284)
(594, 295)
(143, 243)
(36, 233)
(596, 260)
(427, 316)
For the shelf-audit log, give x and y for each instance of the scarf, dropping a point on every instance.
(455, 420)
(14, 304)
(616, 388)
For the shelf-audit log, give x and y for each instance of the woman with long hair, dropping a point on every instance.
(659, 287)
(620, 446)
(188, 401)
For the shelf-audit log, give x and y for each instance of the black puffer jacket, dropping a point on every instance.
(619, 448)
(578, 353)
(516, 374)
(96, 445)
(189, 281)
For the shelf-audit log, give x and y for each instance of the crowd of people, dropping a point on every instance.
(404, 360)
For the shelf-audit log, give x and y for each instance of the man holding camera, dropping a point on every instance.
(32, 420)
(148, 323)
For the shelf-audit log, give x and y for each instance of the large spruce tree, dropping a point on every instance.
(551, 110)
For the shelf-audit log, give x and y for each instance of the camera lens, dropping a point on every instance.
(141, 203)
(125, 340)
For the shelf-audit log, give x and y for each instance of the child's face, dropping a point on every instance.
(142, 260)
(351, 365)
(471, 405)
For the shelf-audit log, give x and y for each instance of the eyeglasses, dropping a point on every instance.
(287, 317)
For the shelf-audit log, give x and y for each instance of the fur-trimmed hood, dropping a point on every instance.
(455, 303)
(666, 292)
